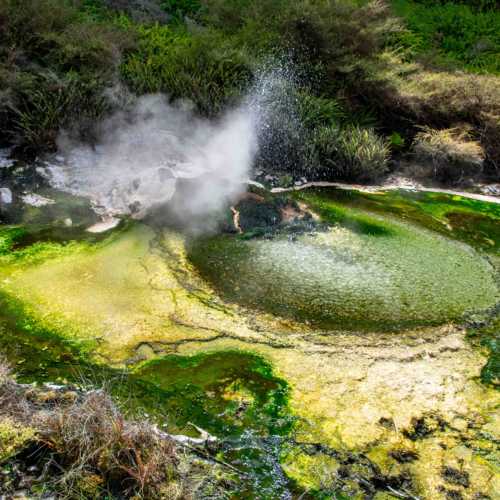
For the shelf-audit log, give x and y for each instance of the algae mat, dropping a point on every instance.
(138, 296)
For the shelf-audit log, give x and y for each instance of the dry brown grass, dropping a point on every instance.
(91, 445)
(452, 153)
(91, 436)
(411, 95)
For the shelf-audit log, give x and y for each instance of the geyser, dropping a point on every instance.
(142, 153)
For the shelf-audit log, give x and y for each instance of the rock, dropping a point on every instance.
(135, 207)
(105, 225)
(36, 200)
(5, 196)
(68, 222)
(491, 189)
(5, 161)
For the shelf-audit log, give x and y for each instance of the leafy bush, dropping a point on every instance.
(45, 103)
(181, 8)
(202, 68)
(54, 63)
(452, 34)
(139, 11)
(452, 153)
(475, 4)
(351, 153)
(319, 111)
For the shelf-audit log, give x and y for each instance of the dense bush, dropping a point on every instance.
(440, 100)
(482, 5)
(353, 66)
(54, 63)
(452, 33)
(202, 68)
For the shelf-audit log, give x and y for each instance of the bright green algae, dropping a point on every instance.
(472, 221)
(365, 272)
(232, 394)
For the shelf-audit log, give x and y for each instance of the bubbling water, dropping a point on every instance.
(339, 278)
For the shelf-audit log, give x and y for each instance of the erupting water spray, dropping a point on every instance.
(143, 153)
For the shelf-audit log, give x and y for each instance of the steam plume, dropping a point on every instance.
(145, 153)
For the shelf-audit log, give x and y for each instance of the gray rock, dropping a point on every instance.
(5, 196)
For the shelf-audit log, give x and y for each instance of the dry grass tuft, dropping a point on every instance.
(93, 449)
(452, 153)
(91, 436)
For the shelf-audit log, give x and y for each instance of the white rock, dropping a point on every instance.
(68, 222)
(5, 196)
(36, 200)
(5, 161)
(105, 225)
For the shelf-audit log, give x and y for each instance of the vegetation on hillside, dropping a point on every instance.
(369, 74)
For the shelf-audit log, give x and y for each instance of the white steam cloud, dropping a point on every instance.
(153, 149)
(144, 152)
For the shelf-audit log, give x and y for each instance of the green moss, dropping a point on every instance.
(485, 332)
(338, 214)
(472, 221)
(8, 236)
(232, 394)
(13, 438)
(34, 243)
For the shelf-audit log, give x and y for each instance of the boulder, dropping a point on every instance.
(6, 197)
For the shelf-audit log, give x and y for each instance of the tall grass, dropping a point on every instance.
(352, 153)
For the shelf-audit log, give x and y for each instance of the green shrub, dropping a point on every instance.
(319, 111)
(55, 61)
(451, 34)
(351, 153)
(45, 103)
(181, 8)
(203, 68)
(482, 5)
